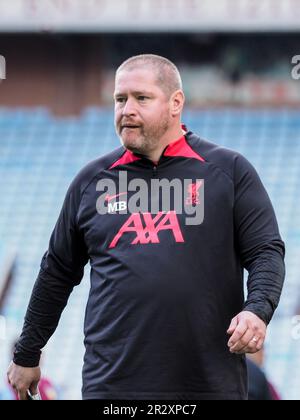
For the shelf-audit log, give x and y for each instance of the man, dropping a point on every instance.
(258, 389)
(166, 290)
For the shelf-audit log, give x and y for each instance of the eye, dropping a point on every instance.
(142, 98)
(120, 99)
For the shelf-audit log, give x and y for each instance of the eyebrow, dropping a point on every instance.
(136, 93)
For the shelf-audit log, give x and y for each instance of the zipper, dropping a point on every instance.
(154, 170)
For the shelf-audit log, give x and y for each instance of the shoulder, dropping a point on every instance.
(93, 169)
(229, 161)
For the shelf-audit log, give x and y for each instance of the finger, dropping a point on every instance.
(8, 378)
(22, 394)
(238, 333)
(260, 343)
(232, 326)
(250, 349)
(33, 388)
(243, 341)
(253, 347)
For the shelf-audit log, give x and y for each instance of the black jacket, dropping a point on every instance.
(163, 292)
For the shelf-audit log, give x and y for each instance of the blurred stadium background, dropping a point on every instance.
(56, 114)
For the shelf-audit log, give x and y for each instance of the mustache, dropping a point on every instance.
(130, 124)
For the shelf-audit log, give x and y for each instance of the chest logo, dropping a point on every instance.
(193, 197)
(146, 228)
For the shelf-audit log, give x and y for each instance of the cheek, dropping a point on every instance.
(118, 116)
(153, 116)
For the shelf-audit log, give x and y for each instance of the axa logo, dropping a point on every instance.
(146, 228)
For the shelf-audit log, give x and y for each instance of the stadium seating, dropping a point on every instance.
(39, 156)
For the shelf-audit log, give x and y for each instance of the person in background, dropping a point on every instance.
(260, 387)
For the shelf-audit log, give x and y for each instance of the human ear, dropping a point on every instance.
(177, 102)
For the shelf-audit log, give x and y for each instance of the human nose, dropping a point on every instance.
(129, 108)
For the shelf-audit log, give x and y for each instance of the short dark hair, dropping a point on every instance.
(168, 76)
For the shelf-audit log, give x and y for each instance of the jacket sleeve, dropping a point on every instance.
(258, 241)
(62, 268)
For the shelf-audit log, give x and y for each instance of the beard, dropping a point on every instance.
(144, 140)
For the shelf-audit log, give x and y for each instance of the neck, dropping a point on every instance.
(155, 154)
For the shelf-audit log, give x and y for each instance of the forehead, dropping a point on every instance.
(137, 80)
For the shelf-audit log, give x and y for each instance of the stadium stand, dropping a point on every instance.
(40, 154)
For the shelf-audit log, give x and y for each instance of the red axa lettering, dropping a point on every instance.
(147, 232)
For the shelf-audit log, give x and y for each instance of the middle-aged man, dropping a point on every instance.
(166, 317)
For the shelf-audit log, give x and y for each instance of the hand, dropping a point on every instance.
(247, 332)
(23, 379)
